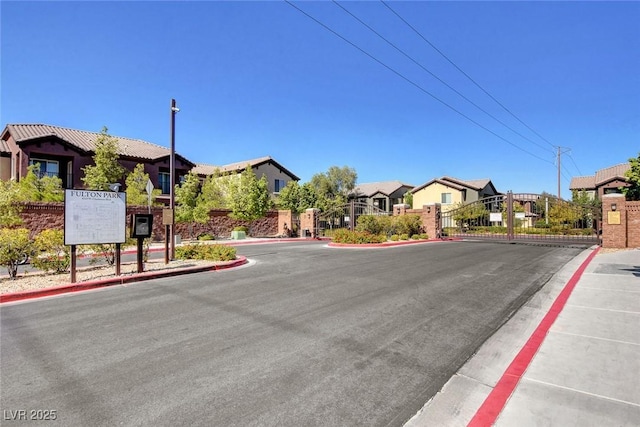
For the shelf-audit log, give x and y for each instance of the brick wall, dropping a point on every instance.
(38, 216)
(633, 224)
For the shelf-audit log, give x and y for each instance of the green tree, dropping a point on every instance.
(289, 197)
(408, 199)
(136, 190)
(248, 196)
(633, 178)
(333, 187)
(106, 169)
(9, 204)
(186, 196)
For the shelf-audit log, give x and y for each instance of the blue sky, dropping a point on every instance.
(261, 78)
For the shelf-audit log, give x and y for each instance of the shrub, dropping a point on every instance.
(415, 237)
(56, 256)
(395, 238)
(408, 224)
(376, 224)
(424, 236)
(206, 236)
(206, 252)
(357, 237)
(404, 236)
(14, 243)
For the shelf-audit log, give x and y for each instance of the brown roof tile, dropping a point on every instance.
(612, 172)
(384, 187)
(203, 169)
(85, 141)
(583, 183)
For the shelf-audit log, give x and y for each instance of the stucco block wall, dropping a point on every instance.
(38, 216)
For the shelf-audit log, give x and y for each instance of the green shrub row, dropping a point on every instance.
(206, 252)
(357, 237)
(410, 224)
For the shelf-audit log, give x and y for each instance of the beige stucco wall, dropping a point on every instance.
(5, 168)
(433, 194)
(272, 173)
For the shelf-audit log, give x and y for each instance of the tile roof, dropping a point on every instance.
(582, 182)
(85, 141)
(458, 184)
(384, 187)
(203, 169)
(4, 147)
(601, 176)
(612, 172)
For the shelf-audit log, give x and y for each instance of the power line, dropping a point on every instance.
(574, 164)
(413, 83)
(465, 74)
(435, 76)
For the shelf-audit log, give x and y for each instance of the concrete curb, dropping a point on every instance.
(136, 277)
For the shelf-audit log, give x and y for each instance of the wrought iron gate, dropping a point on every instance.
(524, 217)
(345, 216)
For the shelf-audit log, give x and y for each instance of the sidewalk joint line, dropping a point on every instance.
(612, 290)
(603, 309)
(600, 396)
(596, 338)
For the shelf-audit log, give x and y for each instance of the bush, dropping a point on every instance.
(415, 237)
(357, 237)
(395, 238)
(376, 224)
(242, 228)
(404, 236)
(408, 224)
(56, 256)
(206, 252)
(424, 236)
(206, 236)
(14, 243)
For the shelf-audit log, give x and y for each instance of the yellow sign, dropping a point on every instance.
(613, 218)
(167, 216)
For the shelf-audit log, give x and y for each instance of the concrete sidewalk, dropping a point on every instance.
(569, 357)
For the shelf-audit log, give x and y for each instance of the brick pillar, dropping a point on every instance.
(400, 209)
(614, 221)
(285, 219)
(308, 221)
(432, 220)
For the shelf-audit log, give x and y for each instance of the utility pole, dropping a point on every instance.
(560, 153)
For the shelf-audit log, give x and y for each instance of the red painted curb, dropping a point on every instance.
(138, 277)
(495, 402)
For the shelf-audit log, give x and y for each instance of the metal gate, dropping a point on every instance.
(345, 216)
(524, 217)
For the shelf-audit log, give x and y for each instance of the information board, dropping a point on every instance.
(94, 217)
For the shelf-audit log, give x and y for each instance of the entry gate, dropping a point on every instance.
(345, 216)
(524, 217)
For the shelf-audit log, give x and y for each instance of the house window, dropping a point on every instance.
(47, 167)
(380, 203)
(446, 198)
(279, 184)
(164, 182)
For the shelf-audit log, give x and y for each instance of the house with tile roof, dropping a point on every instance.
(277, 175)
(64, 152)
(605, 181)
(382, 195)
(448, 191)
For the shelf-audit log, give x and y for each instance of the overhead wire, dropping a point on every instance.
(465, 74)
(414, 83)
(436, 76)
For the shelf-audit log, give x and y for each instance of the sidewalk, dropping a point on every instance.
(569, 357)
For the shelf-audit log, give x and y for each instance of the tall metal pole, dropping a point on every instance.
(558, 173)
(172, 180)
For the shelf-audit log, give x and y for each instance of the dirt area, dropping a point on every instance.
(40, 280)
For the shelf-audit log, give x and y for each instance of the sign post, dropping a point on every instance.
(149, 189)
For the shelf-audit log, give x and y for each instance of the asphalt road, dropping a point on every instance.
(304, 335)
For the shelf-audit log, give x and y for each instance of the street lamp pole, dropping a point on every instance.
(172, 179)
